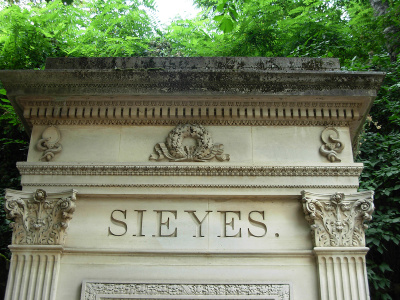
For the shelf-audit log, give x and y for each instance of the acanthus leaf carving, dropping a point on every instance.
(39, 218)
(338, 220)
(332, 145)
(49, 143)
(174, 149)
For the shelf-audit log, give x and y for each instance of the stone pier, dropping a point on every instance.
(190, 178)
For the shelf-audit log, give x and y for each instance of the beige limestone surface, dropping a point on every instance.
(183, 179)
(246, 145)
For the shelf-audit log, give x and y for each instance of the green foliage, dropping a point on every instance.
(13, 148)
(379, 151)
(114, 28)
(88, 28)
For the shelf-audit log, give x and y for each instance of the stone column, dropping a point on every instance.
(39, 231)
(337, 228)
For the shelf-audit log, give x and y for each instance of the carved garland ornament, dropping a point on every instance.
(49, 143)
(338, 220)
(332, 145)
(39, 218)
(174, 150)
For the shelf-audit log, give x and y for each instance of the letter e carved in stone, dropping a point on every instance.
(338, 220)
(40, 218)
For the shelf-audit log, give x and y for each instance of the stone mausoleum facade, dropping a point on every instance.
(190, 178)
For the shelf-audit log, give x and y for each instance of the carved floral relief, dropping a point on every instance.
(40, 218)
(338, 220)
(49, 143)
(174, 149)
(332, 145)
(130, 291)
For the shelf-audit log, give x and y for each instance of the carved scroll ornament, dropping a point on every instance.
(338, 220)
(40, 218)
(332, 145)
(49, 143)
(174, 150)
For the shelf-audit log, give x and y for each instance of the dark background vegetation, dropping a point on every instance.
(365, 35)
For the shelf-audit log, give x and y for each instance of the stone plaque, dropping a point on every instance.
(108, 291)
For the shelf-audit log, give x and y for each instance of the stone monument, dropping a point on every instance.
(190, 178)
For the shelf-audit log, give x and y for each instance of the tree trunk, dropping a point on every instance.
(392, 32)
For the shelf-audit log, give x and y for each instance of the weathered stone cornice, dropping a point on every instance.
(287, 91)
(183, 82)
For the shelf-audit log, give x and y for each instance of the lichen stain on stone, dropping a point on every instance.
(314, 64)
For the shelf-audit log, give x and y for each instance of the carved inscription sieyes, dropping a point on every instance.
(166, 223)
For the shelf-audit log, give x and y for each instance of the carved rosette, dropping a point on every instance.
(332, 145)
(40, 218)
(174, 150)
(338, 220)
(49, 143)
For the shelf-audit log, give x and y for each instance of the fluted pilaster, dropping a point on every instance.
(342, 273)
(33, 273)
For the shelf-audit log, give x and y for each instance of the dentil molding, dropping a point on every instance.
(40, 218)
(337, 220)
(80, 111)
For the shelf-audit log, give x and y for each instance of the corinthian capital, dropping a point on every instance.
(40, 218)
(338, 220)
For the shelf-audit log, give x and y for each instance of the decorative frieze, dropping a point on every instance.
(175, 150)
(202, 186)
(49, 143)
(26, 168)
(40, 218)
(110, 102)
(93, 290)
(338, 220)
(332, 145)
